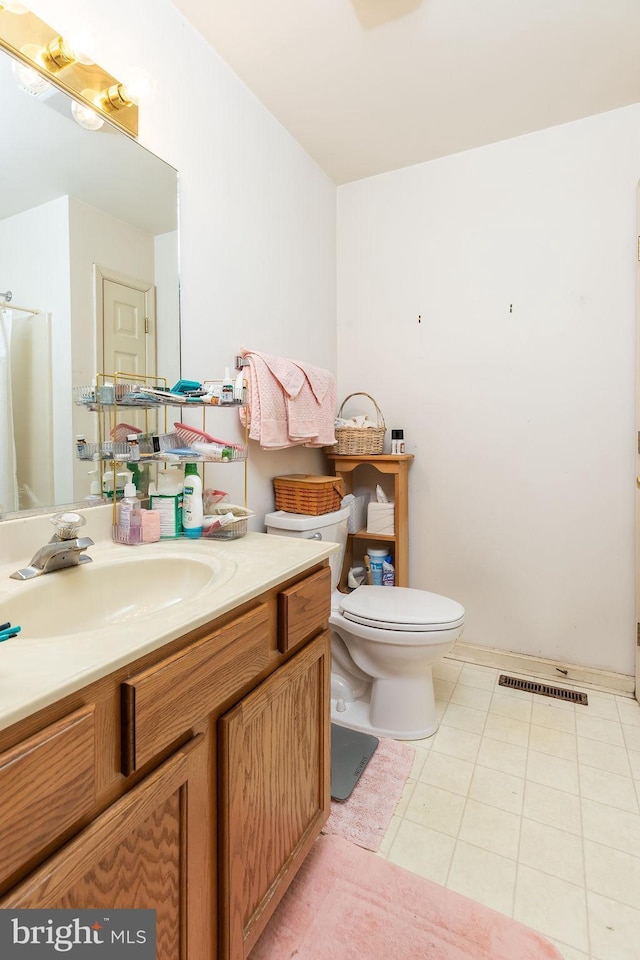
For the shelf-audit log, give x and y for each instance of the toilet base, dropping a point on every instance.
(399, 710)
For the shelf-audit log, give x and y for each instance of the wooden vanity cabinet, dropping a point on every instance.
(274, 791)
(198, 778)
(145, 850)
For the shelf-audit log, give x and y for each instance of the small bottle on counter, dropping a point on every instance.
(397, 441)
(228, 386)
(81, 448)
(134, 446)
(129, 517)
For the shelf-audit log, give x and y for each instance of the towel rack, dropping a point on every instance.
(241, 362)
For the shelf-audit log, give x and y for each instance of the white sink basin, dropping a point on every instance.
(109, 593)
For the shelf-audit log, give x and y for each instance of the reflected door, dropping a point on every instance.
(128, 328)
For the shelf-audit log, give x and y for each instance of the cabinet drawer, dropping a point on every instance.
(303, 610)
(163, 702)
(47, 783)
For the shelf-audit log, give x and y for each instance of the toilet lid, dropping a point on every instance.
(401, 608)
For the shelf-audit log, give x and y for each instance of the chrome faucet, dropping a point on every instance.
(65, 549)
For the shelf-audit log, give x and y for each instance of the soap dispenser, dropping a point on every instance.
(129, 517)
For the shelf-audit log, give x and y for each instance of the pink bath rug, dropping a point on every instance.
(365, 816)
(348, 904)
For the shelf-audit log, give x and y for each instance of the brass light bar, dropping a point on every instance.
(39, 46)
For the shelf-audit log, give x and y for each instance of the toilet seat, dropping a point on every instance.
(401, 609)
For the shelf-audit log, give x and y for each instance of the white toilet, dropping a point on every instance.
(384, 641)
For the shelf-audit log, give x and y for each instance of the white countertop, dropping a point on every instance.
(36, 671)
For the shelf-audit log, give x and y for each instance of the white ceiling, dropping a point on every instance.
(367, 86)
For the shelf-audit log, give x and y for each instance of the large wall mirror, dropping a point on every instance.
(89, 251)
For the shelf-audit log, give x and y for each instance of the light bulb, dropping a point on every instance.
(30, 80)
(81, 42)
(138, 85)
(86, 117)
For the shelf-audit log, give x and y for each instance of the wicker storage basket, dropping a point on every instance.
(359, 441)
(306, 493)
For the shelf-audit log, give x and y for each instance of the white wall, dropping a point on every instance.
(257, 216)
(165, 259)
(522, 422)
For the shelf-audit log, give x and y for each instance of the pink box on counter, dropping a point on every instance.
(150, 526)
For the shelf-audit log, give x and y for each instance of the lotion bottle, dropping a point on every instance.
(192, 509)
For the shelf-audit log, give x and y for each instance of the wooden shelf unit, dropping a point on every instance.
(397, 466)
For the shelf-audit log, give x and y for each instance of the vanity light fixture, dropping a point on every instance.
(54, 59)
(61, 52)
(136, 86)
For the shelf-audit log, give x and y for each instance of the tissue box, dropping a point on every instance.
(380, 518)
(358, 513)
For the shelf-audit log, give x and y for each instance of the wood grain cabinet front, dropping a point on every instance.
(274, 789)
(303, 610)
(47, 783)
(162, 702)
(148, 850)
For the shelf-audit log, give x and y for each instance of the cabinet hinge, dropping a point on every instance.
(146, 330)
(638, 634)
(638, 249)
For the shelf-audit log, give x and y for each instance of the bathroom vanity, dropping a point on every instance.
(190, 775)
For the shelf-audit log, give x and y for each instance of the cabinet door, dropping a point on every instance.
(135, 855)
(47, 783)
(274, 791)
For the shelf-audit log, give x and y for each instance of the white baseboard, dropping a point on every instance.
(567, 674)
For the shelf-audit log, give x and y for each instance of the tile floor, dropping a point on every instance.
(531, 806)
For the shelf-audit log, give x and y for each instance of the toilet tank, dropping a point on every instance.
(331, 527)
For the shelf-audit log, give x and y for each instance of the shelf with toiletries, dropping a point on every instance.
(143, 451)
(391, 471)
(184, 443)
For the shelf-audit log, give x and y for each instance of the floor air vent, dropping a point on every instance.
(543, 689)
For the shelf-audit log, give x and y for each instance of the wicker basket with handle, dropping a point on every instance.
(359, 441)
(307, 493)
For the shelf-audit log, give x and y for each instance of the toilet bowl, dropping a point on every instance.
(384, 642)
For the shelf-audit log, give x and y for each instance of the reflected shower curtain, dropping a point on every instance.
(8, 477)
(31, 391)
